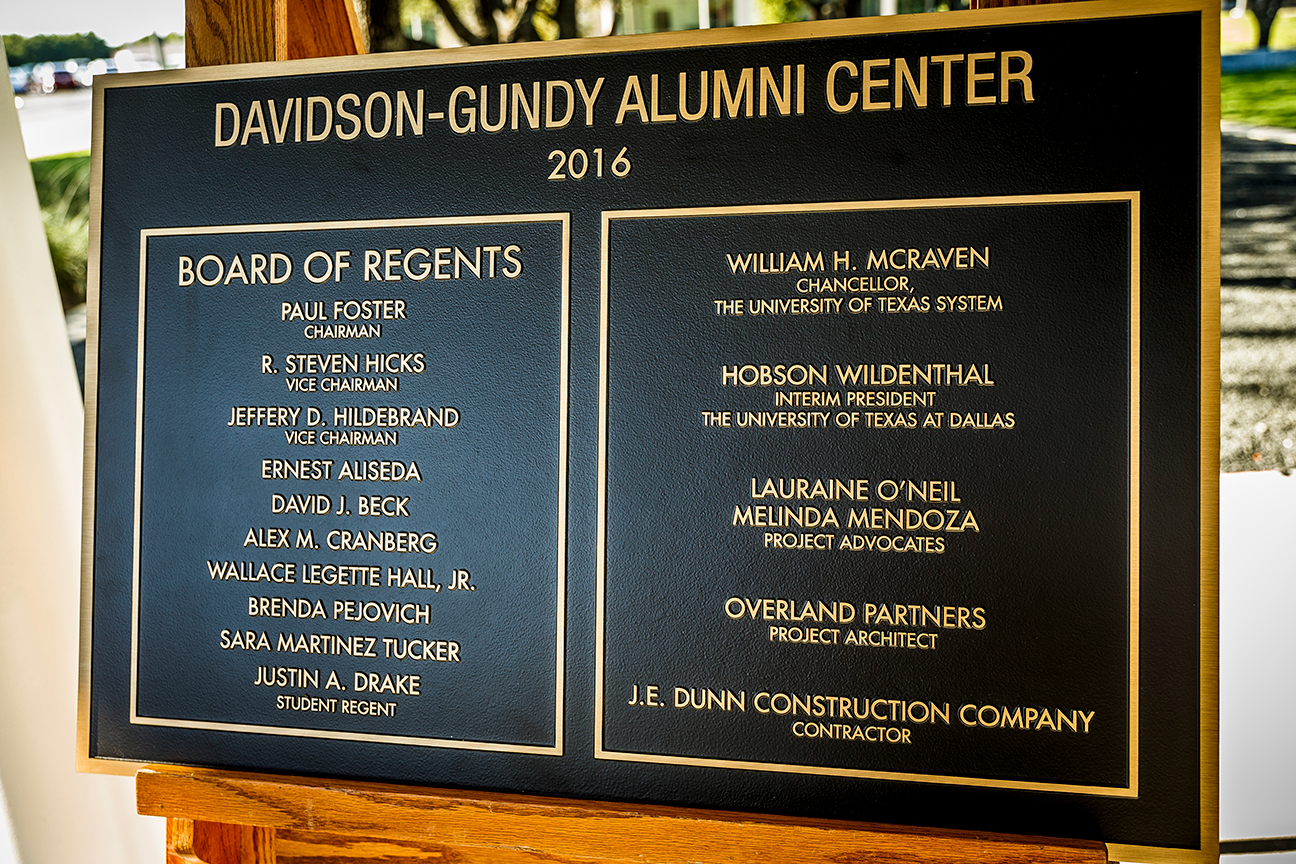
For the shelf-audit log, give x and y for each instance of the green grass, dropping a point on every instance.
(1260, 98)
(63, 189)
(1258, 344)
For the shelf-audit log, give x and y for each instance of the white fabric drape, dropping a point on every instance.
(57, 816)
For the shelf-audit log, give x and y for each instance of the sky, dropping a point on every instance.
(115, 21)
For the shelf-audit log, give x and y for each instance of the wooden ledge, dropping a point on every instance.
(518, 827)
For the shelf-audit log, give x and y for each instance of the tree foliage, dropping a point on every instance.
(496, 21)
(63, 190)
(1266, 11)
(53, 48)
(492, 22)
(384, 25)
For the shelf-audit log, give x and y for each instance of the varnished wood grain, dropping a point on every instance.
(322, 28)
(312, 847)
(179, 842)
(218, 32)
(195, 842)
(511, 829)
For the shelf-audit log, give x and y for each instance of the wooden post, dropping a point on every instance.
(194, 842)
(218, 32)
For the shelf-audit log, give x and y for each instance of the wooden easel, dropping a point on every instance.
(221, 817)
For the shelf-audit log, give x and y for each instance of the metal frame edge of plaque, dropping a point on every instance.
(1208, 670)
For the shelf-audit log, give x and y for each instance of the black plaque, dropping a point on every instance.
(816, 419)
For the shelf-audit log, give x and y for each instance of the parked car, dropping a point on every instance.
(19, 80)
(42, 78)
(48, 77)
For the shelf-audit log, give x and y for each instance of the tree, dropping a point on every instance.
(834, 9)
(517, 16)
(385, 32)
(1265, 11)
(478, 22)
(53, 48)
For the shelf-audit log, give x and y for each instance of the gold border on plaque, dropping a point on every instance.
(609, 216)
(1209, 470)
(561, 219)
(1208, 708)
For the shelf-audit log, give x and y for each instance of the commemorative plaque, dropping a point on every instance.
(816, 419)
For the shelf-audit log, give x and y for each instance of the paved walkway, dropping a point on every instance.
(1258, 315)
(1258, 508)
(1258, 206)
